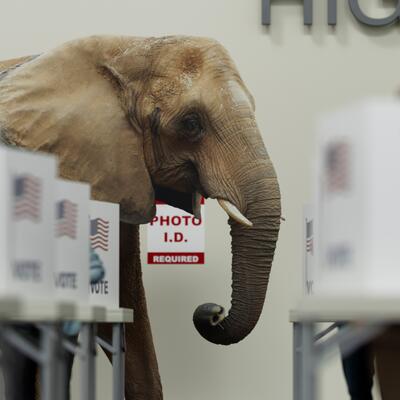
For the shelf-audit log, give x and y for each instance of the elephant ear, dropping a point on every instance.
(65, 103)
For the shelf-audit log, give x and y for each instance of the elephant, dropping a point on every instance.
(141, 119)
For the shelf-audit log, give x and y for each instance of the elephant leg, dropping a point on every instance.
(142, 376)
(142, 379)
(387, 358)
(19, 372)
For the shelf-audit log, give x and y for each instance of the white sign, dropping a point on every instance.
(104, 240)
(175, 237)
(308, 248)
(71, 275)
(358, 199)
(27, 220)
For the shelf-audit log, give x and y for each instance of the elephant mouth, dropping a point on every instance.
(174, 198)
(189, 197)
(190, 201)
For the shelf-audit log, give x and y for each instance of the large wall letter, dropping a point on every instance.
(308, 12)
(362, 17)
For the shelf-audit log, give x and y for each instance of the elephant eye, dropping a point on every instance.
(192, 127)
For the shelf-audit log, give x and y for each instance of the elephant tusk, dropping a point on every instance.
(234, 213)
(196, 205)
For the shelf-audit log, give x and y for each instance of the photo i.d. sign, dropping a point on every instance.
(175, 237)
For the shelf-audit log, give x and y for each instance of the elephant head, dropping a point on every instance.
(140, 118)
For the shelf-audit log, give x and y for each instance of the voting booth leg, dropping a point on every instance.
(48, 344)
(304, 362)
(88, 373)
(64, 367)
(308, 361)
(297, 361)
(118, 361)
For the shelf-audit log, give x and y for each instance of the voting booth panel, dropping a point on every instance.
(104, 241)
(71, 275)
(27, 215)
(358, 200)
(309, 249)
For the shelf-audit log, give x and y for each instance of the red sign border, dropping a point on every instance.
(150, 258)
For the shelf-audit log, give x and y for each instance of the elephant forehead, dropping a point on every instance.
(191, 61)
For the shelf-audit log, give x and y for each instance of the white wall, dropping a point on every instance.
(295, 73)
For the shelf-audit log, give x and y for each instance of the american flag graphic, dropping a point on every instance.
(99, 234)
(27, 197)
(337, 167)
(309, 237)
(66, 218)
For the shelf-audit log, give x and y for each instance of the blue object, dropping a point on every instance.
(97, 271)
(96, 274)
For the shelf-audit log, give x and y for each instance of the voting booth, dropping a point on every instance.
(27, 241)
(71, 275)
(104, 242)
(51, 237)
(350, 243)
(358, 197)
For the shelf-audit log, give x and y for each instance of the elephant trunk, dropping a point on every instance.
(252, 254)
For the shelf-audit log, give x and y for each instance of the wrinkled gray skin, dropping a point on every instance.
(170, 117)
